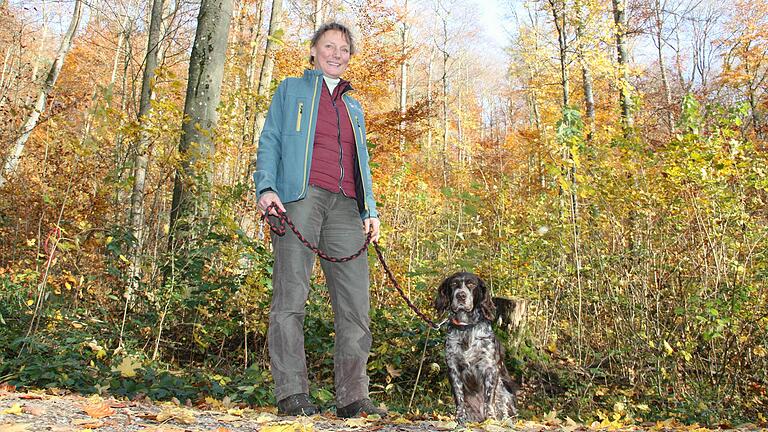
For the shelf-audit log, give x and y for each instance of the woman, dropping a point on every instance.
(312, 163)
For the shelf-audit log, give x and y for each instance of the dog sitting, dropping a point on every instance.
(482, 387)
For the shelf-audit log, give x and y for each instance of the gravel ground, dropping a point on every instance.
(36, 412)
(73, 413)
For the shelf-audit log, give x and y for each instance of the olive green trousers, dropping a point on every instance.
(332, 222)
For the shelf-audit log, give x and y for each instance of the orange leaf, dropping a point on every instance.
(98, 411)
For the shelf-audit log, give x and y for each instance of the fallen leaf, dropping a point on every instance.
(35, 411)
(15, 410)
(443, 425)
(7, 388)
(235, 412)
(401, 420)
(229, 418)
(357, 422)
(163, 429)
(221, 429)
(98, 411)
(266, 418)
(289, 427)
(14, 427)
(181, 415)
(88, 423)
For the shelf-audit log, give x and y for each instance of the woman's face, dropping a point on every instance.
(331, 53)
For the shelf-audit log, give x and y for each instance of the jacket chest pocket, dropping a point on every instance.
(297, 117)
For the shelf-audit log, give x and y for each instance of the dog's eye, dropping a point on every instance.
(471, 284)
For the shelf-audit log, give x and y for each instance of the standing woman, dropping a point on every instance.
(312, 163)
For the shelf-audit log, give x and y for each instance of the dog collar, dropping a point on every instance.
(460, 325)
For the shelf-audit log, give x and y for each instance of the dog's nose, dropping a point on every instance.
(461, 296)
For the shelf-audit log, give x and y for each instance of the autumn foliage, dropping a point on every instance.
(641, 254)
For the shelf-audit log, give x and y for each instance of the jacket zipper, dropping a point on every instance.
(309, 129)
(359, 163)
(298, 119)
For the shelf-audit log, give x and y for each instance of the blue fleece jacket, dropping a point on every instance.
(285, 146)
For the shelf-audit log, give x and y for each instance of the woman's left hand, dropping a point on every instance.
(372, 225)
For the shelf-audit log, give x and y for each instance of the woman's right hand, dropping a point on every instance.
(267, 199)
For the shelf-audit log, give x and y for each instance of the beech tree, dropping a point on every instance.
(206, 71)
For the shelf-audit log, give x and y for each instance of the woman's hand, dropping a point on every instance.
(371, 225)
(268, 198)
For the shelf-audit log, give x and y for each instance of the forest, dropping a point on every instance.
(606, 170)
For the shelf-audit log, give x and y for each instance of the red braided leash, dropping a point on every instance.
(279, 229)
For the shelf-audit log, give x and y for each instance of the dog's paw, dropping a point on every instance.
(461, 416)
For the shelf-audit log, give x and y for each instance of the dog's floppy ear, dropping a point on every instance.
(443, 300)
(487, 308)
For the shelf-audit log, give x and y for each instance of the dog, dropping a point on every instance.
(481, 385)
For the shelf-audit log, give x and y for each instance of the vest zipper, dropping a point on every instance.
(341, 146)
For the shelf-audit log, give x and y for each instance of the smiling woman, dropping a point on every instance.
(312, 164)
(330, 52)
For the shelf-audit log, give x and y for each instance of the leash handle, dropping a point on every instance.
(280, 230)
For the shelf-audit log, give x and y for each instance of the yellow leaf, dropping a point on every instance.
(15, 410)
(30, 302)
(124, 259)
(288, 427)
(356, 422)
(14, 427)
(235, 412)
(178, 414)
(128, 366)
(401, 420)
(266, 418)
(668, 348)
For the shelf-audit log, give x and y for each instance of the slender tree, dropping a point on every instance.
(142, 147)
(586, 70)
(273, 41)
(42, 96)
(625, 98)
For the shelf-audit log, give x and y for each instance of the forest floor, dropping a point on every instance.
(49, 411)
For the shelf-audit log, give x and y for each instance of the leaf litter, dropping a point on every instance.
(34, 411)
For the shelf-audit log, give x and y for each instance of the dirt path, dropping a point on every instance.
(34, 412)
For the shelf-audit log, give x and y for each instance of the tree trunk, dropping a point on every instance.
(657, 10)
(265, 78)
(444, 81)
(586, 71)
(317, 15)
(558, 15)
(625, 100)
(403, 77)
(206, 72)
(430, 68)
(251, 73)
(53, 74)
(142, 146)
